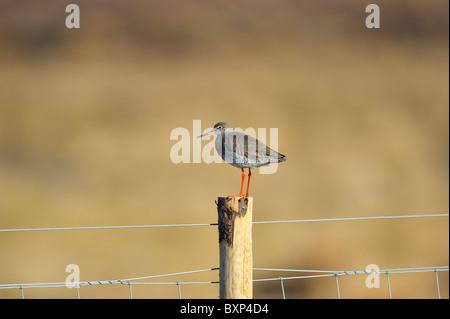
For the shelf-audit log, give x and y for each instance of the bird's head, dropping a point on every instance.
(218, 129)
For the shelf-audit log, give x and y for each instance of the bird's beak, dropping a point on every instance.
(207, 133)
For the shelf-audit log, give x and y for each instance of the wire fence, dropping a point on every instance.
(215, 224)
(306, 274)
(309, 274)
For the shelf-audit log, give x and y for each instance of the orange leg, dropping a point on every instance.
(242, 183)
(249, 178)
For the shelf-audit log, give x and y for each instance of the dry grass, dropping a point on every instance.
(85, 120)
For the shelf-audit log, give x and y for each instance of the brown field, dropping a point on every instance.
(85, 119)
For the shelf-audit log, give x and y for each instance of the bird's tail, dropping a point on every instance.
(281, 158)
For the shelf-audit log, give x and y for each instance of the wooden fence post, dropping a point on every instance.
(235, 242)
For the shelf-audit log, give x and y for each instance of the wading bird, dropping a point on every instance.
(243, 151)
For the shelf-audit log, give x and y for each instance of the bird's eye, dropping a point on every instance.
(219, 127)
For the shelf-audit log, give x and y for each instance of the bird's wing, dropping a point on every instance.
(248, 147)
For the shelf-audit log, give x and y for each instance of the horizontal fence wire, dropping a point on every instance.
(215, 224)
(102, 227)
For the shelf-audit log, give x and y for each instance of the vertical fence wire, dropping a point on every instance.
(282, 288)
(389, 284)
(130, 289)
(179, 290)
(78, 291)
(337, 286)
(437, 284)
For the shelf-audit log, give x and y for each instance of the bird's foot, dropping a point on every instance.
(240, 195)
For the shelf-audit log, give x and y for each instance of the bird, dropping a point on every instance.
(242, 151)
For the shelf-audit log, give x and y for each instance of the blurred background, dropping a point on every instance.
(86, 114)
